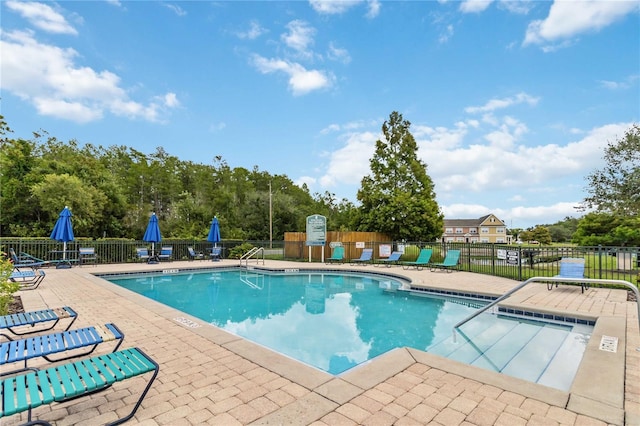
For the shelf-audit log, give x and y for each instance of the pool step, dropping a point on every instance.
(518, 348)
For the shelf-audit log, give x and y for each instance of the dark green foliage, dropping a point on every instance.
(113, 191)
(614, 188)
(398, 196)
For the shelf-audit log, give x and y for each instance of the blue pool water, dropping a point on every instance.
(335, 322)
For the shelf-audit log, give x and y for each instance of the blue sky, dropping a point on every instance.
(511, 103)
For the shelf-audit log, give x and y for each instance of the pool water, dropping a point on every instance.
(335, 322)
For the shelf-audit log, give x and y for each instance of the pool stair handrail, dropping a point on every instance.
(581, 281)
(251, 253)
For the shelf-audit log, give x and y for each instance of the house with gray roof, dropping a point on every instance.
(486, 229)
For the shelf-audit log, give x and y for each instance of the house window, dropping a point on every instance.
(474, 239)
(473, 230)
(459, 230)
(450, 239)
(500, 230)
(500, 240)
(448, 230)
(484, 230)
(460, 239)
(484, 240)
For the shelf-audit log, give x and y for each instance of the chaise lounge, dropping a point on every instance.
(424, 257)
(73, 380)
(43, 346)
(449, 263)
(393, 259)
(337, 256)
(365, 257)
(29, 322)
(570, 267)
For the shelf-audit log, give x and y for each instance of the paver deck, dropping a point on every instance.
(208, 376)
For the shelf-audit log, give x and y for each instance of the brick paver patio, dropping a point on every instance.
(208, 376)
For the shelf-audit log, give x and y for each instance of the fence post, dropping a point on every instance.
(600, 261)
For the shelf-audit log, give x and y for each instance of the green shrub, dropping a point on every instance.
(410, 253)
(7, 288)
(237, 251)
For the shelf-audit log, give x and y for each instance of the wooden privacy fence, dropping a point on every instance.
(353, 243)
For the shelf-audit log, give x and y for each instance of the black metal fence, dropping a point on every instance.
(509, 261)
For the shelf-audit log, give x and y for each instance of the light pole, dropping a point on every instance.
(270, 218)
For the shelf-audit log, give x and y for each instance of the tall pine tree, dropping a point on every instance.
(398, 197)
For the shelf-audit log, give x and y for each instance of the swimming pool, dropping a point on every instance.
(335, 321)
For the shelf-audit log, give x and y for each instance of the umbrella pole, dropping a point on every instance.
(64, 250)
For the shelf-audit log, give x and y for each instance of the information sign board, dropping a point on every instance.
(316, 230)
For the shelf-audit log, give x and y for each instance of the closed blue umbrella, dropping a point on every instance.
(63, 230)
(152, 234)
(214, 232)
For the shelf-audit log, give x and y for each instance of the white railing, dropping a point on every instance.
(253, 253)
(552, 280)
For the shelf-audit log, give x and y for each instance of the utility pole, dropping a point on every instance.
(270, 218)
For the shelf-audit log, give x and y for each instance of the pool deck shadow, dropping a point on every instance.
(209, 376)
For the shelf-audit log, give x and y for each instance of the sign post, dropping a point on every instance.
(316, 232)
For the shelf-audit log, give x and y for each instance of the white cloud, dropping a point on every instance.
(301, 80)
(567, 19)
(299, 37)
(176, 9)
(474, 6)
(48, 77)
(446, 34)
(254, 31)
(350, 163)
(42, 16)
(373, 9)
(338, 54)
(620, 85)
(332, 7)
(495, 104)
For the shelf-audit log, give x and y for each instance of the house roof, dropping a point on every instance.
(465, 223)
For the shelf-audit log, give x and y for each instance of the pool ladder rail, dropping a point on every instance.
(253, 253)
(551, 280)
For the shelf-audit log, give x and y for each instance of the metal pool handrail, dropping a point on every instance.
(552, 279)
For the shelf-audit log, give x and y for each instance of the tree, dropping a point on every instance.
(602, 228)
(398, 197)
(614, 188)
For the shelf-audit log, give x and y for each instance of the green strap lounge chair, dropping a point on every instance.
(424, 257)
(337, 256)
(73, 380)
(449, 263)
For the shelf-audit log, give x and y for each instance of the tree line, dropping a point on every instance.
(113, 190)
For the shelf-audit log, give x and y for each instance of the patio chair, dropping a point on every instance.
(29, 279)
(424, 257)
(194, 255)
(43, 346)
(25, 322)
(142, 253)
(449, 263)
(166, 253)
(337, 256)
(216, 253)
(75, 379)
(87, 255)
(570, 267)
(365, 257)
(25, 260)
(393, 259)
